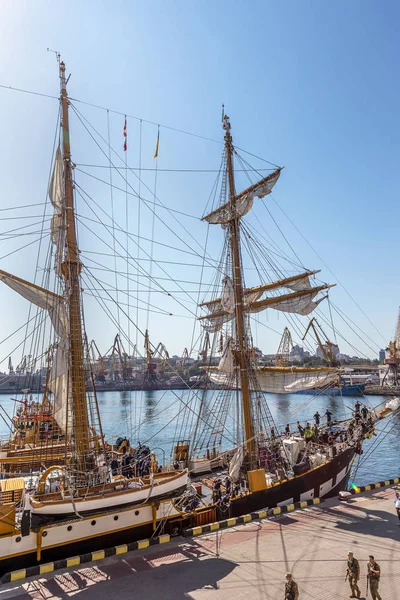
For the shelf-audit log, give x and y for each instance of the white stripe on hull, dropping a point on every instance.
(58, 535)
(127, 496)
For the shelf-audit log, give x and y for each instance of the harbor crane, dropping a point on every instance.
(392, 359)
(285, 346)
(327, 347)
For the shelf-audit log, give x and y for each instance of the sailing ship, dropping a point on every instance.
(267, 469)
(86, 505)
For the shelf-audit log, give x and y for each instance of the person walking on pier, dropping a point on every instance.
(397, 505)
(353, 572)
(291, 588)
(373, 576)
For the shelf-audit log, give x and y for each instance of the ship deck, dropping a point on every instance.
(253, 559)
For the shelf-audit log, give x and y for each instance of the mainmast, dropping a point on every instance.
(71, 268)
(242, 351)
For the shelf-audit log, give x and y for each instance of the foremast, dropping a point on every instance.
(242, 350)
(71, 268)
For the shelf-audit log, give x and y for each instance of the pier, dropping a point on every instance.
(246, 560)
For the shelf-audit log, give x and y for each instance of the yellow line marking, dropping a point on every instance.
(99, 555)
(16, 575)
(396, 480)
(262, 514)
(276, 511)
(163, 539)
(303, 504)
(46, 568)
(121, 549)
(377, 485)
(247, 518)
(143, 544)
(290, 507)
(231, 522)
(74, 561)
(367, 488)
(316, 500)
(214, 526)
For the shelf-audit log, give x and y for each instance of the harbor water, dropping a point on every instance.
(150, 417)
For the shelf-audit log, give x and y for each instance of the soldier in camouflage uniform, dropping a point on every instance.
(374, 574)
(291, 589)
(353, 572)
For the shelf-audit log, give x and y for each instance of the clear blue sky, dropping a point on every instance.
(312, 85)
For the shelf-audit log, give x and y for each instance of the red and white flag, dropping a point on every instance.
(125, 137)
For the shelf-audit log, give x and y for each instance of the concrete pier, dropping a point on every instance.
(247, 561)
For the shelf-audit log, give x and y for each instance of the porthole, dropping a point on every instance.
(18, 539)
(136, 512)
(116, 518)
(69, 528)
(93, 523)
(44, 533)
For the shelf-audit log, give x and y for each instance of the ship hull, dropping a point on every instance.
(280, 380)
(347, 390)
(321, 482)
(101, 532)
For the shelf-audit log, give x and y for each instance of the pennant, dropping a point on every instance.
(157, 142)
(223, 113)
(125, 137)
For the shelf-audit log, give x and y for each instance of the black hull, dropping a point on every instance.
(293, 488)
(287, 490)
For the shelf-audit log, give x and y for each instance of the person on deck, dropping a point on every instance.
(317, 418)
(287, 430)
(328, 416)
(308, 434)
(300, 428)
(357, 407)
(364, 412)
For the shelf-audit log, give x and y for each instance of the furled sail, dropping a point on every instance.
(301, 302)
(295, 282)
(55, 305)
(243, 201)
(56, 195)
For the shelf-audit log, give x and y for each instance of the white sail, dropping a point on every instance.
(56, 195)
(56, 307)
(301, 306)
(243, 202)
(227, 363)
(228, 296)
(224, 214)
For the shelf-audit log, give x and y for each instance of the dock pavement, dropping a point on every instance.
(247, 561)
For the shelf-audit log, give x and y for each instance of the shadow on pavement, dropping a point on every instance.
(170, 575)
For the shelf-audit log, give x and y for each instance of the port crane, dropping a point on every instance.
(327, 347)
(285, 346)
(392, 359)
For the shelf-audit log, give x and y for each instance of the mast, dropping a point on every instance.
(242, 353)
(71, 268)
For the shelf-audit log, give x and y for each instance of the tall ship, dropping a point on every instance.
(81, 500)
(77, 503)
(272, 469)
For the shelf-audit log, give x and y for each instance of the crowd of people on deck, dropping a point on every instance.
(323, 435)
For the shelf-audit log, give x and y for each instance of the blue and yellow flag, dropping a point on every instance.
(157, 142)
